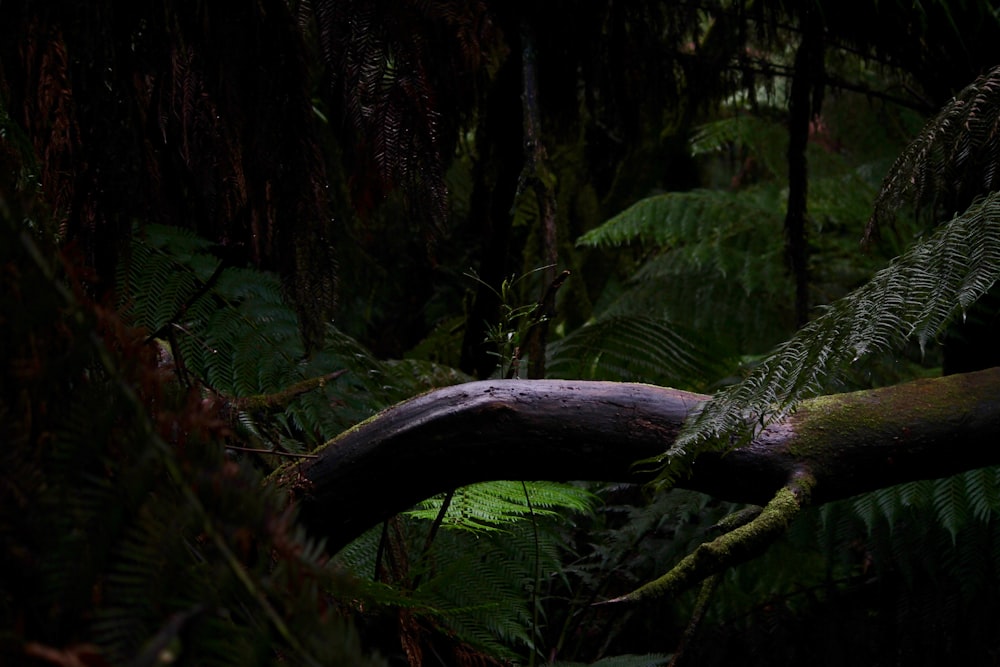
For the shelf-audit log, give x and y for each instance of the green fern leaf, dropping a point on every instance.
(494, 506)
(765, 140)
(950, 504)
(983, 492)
(953, 159)
(633, 349)
(698, 216)
(866, 508)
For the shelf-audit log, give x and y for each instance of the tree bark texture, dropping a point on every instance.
(565, 430)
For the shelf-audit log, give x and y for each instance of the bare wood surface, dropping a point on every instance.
(564, 430)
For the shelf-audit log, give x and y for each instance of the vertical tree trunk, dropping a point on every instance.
(803, 106)
(537, 174)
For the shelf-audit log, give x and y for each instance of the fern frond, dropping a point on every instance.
(982, 489)
(951, 506)
(720, 248)
(696, 216)
(167, 266)
(633, 349)
(494, 506)
(232, 330)
(766, 140)
(912, 298)
(954, 504)
(953, 160)
(481, 588)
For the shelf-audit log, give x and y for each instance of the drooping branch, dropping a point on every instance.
(562, 430)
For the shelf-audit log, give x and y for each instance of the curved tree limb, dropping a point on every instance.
(739, 545)
(562, 430)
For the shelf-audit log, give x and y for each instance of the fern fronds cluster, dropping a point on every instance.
(480, 588)
(954, 502)
(914, 297)
(230, 332)
(707, 246)
(227, 324)
(633, 349)
(725, 246)
(495, 506)
(141, 540)
(954, 158)
(701, 220)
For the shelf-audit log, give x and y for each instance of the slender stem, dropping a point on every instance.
(432, 534)
(261, 450)
(697, 616)
(538, 575)
(380, 553)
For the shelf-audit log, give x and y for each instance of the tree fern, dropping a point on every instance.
(478, 577)
(477, 587)
(954, 502)
(166, 267)
(710, 246)
(726, 247)
(483, 588)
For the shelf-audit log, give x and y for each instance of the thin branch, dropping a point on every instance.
(733, 548)
(280, 399)
(261, 450)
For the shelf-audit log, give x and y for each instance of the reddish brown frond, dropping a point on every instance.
(394, 67)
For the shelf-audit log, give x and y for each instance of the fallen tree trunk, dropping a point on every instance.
(564, 430)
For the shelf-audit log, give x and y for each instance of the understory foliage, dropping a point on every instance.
(186, 566)
(227, 333)
(850, 343)
(189, 554)
(130, 536)
(934, 281)
(136, 517)
(916, 297)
